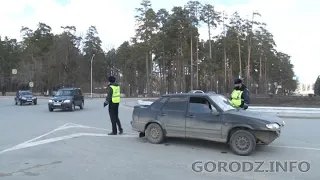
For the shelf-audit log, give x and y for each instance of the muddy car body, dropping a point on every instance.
(208, 117)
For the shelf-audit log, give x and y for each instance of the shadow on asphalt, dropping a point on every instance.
(193, 144)
(207, 145)
(65, 111)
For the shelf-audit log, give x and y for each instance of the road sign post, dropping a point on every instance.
(31, 84)
(14, 71)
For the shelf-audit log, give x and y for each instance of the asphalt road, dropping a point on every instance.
(36, 144)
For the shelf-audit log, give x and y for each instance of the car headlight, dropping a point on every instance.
(23, 98)
(67, 101)
(273, 126)
(50, 101)
(34, 98)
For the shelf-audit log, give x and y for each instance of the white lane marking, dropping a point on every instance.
(57, 129)
(33, 142)
(88, 127)
(126, 106)
(51, 140)
(296, 147)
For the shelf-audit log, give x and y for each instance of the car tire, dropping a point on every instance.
(15, 102)
(35, 103)
(20, 102)
(73, 107)
(154, 133)
(82, 105)
(247, 140)
(50, 109)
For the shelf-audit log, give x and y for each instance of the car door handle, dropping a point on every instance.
(190, 116)
(161, 114)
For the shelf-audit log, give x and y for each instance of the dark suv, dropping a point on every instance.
(25, 97)
(66, 99)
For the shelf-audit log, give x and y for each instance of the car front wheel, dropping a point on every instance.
(242, 142)
(50, 109)
(154, 133)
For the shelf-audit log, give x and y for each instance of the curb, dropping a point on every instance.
(276, 109)
(12, 97)
(284, 114)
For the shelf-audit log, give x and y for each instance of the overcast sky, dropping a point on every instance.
(294, 23)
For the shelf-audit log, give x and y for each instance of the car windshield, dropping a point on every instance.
(25, 93)
(64, 93)
(223, 103)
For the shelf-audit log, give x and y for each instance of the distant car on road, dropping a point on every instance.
(25, 97)
(66, 99)
(205, 116)
(196, 91)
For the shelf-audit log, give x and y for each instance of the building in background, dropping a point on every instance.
(305, 89)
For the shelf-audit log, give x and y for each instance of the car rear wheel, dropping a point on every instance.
(82, 105)
(242, 142)
(154, 133)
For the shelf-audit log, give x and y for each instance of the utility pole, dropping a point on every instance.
(191, 64)
(91, 72)
(249, 49)
(197, 62)
(225, 54)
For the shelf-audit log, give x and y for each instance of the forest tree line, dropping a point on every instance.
(165, 56)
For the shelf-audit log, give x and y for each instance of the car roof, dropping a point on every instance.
(24, 91)
(190, 94)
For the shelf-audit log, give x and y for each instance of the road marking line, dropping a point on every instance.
(126, 106)
(57, 129)
(83, 126)
(51, 140)
(296, 147)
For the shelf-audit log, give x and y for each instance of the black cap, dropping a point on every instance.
(112, 79)
(237, 81)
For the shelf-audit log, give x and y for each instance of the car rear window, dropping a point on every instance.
(176, 104)
(159, 103)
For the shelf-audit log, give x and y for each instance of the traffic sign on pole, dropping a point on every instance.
(30, 84)
(14, 71)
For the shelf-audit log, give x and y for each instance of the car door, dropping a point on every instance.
(76, 97)
(80, 96)
(172, 115)
(203, 120)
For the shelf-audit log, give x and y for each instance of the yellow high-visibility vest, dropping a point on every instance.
(115, 94)
(236, 97)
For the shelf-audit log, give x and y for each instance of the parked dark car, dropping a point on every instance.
(205, 116)
(66, 99)
(25, 97)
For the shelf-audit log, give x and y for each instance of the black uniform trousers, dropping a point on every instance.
(114, 117)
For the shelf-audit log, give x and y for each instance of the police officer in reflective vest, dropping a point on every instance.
(113, 100)
(240, 95)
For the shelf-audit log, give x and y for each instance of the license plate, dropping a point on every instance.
(57, 104)
(29, 100)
